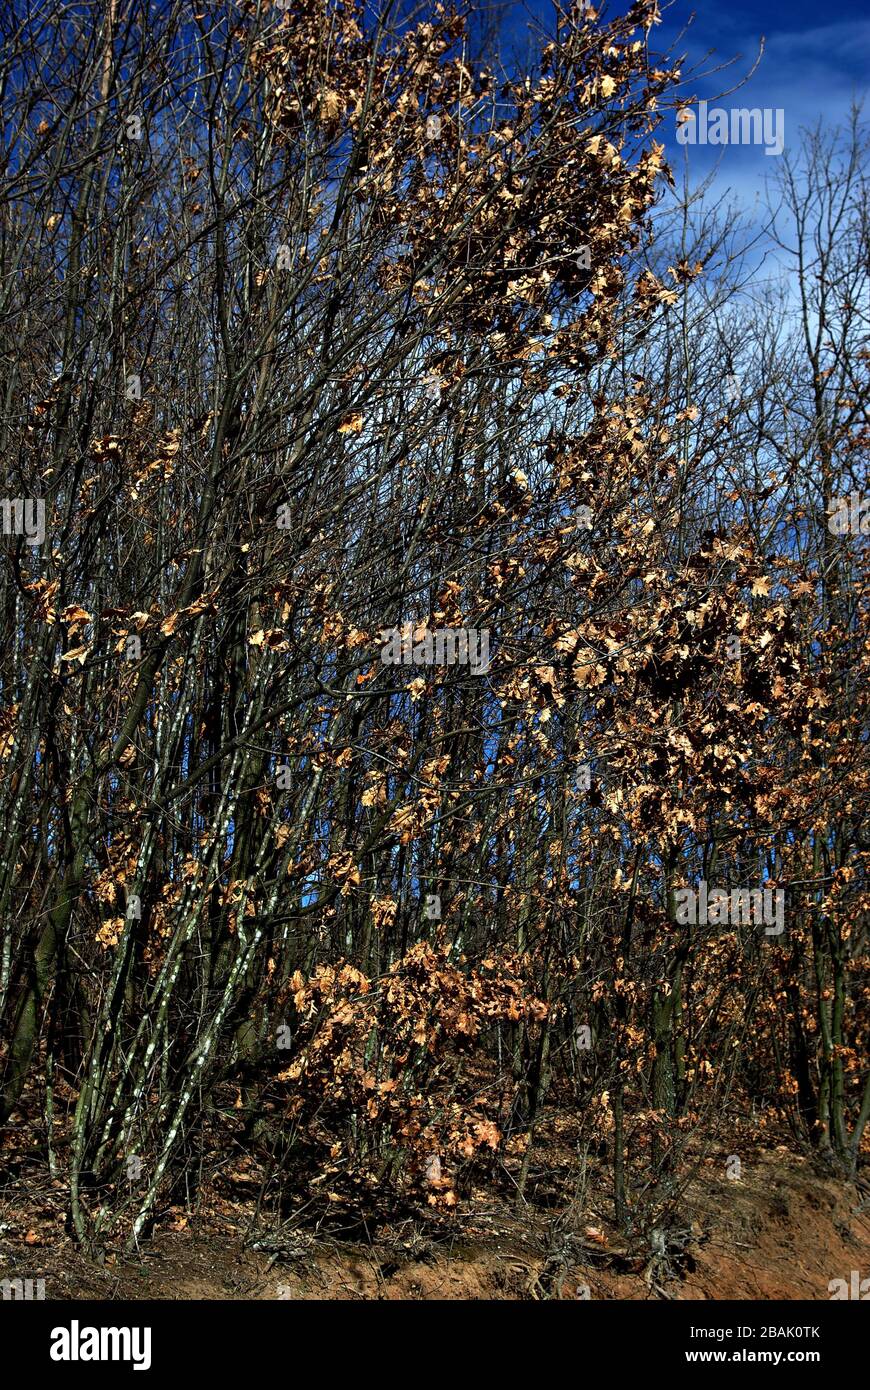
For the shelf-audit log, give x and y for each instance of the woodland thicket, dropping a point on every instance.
(318, 321)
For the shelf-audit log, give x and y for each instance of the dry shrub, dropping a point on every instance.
(387, 1081)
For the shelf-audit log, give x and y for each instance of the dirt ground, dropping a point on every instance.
(782, 1231)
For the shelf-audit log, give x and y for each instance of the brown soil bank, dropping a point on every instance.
(781, 1232)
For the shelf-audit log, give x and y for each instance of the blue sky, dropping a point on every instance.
(816, 61)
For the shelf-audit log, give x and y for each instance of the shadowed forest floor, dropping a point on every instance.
(782, 1231)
